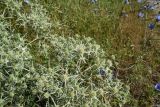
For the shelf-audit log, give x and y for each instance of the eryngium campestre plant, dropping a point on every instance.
(15, 64)
(26, 18)
(73, 73)
(77, 64)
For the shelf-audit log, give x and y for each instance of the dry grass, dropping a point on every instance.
(133, 29)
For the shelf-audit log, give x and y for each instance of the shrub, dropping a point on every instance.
(15, 64)
(83, 74)
(73, 71)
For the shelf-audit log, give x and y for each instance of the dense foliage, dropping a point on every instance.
(39, 68)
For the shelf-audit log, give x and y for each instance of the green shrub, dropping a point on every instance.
(72, 72)
(15, 64)
(28, 19)
(78, 63)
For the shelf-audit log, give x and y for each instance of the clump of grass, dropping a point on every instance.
(98, 20)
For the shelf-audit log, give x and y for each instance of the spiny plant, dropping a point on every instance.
(73, 72)
(85, 75)
(15, 62)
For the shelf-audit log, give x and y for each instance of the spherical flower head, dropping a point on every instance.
(151, 26)
(102, 72)
(157, 86)
(140, 14)
(158, 18)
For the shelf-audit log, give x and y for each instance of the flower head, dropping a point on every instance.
(141, 14)
(102, 72)
(158, 18)
(151, 26)
(157, 86)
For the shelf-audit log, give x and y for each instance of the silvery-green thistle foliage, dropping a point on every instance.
(82, 61)
(28, 17)
(73, 73)
(15, 63)
(17, 67)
